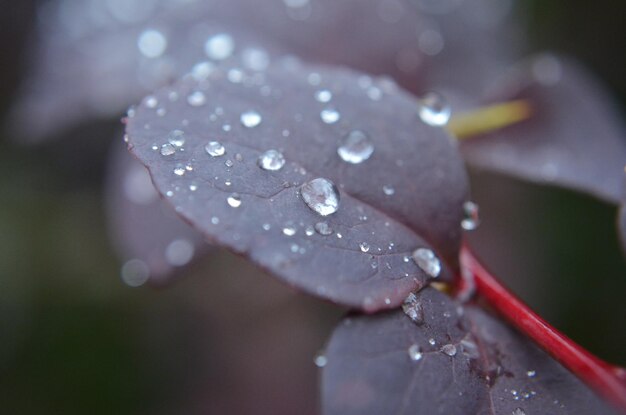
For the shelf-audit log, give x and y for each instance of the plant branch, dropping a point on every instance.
(606, 379)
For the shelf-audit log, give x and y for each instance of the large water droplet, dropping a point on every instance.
(427, 261)
(220, 46)
(215, 149)
(234, 200)
(250, 119)
(471, 218)
(330, 115)
(323, 228)
(356, 147)
(167, 149)
(449, 349)
(151, 43)
(176, 138)
(321, 195)
(272, 160)
(434, 109)
(414, 352)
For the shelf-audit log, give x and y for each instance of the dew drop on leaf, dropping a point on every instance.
(176, 138)
(427, 261)
(220, 46)
(471, 218)
(356, 147)
(250, 119)
(196, 99)
(271, 160)
(321, 195)
(330, 115)
(320, 360)
(151, 43)
(413, 309)
(215, 149)
(365, 247)
(414, 352)
(289, 231)
(234, 200)
(323, 228)
(434, 110)
(323, 95)
(167, 149)
(449, 349)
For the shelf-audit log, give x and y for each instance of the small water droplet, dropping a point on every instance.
(151, 101)
(202, 70)
(272, 160)
(152, 43)
(356, 147)
(215, 220)
(323, 95)
(250, 119)
(167, 149)
(518, 411)
(196, 99)
(412, 307)
(449, 349)
(176, 138)
(220, 46)
(289, 231)
(389, 190)
(320, 360)
(365, 247)
(234, 200)
(471, 218)
(414, 352)
(330, 115)
(427, 261)
(323, 228)
(229, 163)
(321, 196)
(179, 170)
(434, 109)
(266, 226)
(255, 59)
(432, 341)
(215, 149)
(531, 373)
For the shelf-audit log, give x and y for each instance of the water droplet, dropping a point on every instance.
(272, 160)
(413, 309)
(518, 411)
(234, 200)
(179, 170)
(471, 218)
(220, 46)
(196, 99)
(389, 190)
(531, 373)
(449, 349)
(202, 70)
(215, 220)
(365, 247)
(427, 261)
(176, 138)
(215, 149)
(255, 59)
(167, 150)
(151, 43)
(432, 341)
(323, 95)
(135, 273)
(323, 228)
(356, 147)
(289, 231)
(434, 109)
(250, 119)
(414, 352)
(179, 252)
(321, 195)
(309, 231)
(228, 163)
(320, 360)
(151, 101)
(330, 115)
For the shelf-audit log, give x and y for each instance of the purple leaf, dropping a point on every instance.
(573, 139)
(451, 360)
(401, 183)
(152, 240)
(98, 57)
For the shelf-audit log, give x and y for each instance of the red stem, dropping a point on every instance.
(606, 379)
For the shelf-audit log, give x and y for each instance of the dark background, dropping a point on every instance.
(224, 339)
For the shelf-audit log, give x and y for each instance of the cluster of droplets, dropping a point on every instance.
(427, 261)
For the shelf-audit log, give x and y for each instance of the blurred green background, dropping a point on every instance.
(74, 339)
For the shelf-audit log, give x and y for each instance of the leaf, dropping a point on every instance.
(88, 56)
(488, 368)
(408, 194)
(143, 228)
(574, 138)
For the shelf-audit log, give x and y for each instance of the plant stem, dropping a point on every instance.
(606, 379)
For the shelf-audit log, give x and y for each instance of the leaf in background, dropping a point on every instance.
(574, 138)
(96, 58)
(401, 183)
(148, 235)
(453, 360)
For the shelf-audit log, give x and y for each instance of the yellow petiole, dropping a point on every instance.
(487, 119)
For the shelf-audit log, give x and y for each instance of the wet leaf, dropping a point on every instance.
(99, 57)
(457, 360)
(406, 194)
(574, 139)
(143, 228)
